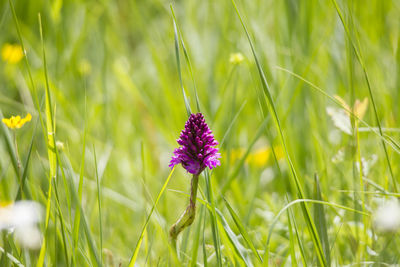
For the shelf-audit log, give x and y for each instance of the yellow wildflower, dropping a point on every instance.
(11, 53)
(262, 156)
(259, 157)
(341, 118)
(236, 58)
(359, 108)
(16, 122)
(5, 204)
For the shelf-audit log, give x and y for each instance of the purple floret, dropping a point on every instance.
(197, 149)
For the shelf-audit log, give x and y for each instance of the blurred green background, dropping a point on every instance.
(112, 71)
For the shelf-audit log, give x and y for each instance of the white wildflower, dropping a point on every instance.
(387, 216)
(21, 218)
(340, 119)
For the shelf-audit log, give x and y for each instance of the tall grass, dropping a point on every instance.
(110, 85)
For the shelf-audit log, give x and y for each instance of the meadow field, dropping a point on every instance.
(301, 96)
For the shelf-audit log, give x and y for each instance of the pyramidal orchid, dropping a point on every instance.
(197, 151)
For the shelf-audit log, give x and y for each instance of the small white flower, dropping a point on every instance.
(340, 119)
(387, 217)
(60, 145)
(21, 218)
(30, 237)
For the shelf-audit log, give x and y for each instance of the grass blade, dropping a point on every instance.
(137, 248)
(62, 221)
(50, 145)
(385, 138)
(178, 62)
(92, 246)
(291, 239)
(99, 203)
(33, 87)
(297, 201)
(89, 238)
(205, 262)
(213, 215)
(301, 246)
(242, 230)
(185, 53)
(228, 130)
(79, 198)
(9, 145)
(12, 258)
(360, 60)
(239, 165)
(196, 239)
(25, 172)
(239, 249)
(320, 221)
(271, 107)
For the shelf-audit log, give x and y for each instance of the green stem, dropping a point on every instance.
(6, 248)
(188, 215)
(16, 152)
(18, 160)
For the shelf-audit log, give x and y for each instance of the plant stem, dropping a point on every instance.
(16, 152)
(18, 161)
(188, 215)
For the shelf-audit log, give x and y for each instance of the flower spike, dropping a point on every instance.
(197, 149)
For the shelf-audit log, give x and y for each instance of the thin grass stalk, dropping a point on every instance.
(357, 51)
(139, 242)
(33, 87)
(271, 106)
(50, 141)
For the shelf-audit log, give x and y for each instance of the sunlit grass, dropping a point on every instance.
(301, 95)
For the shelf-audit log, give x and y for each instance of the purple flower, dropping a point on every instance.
(197, 149)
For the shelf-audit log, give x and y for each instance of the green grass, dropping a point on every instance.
(114, 81)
